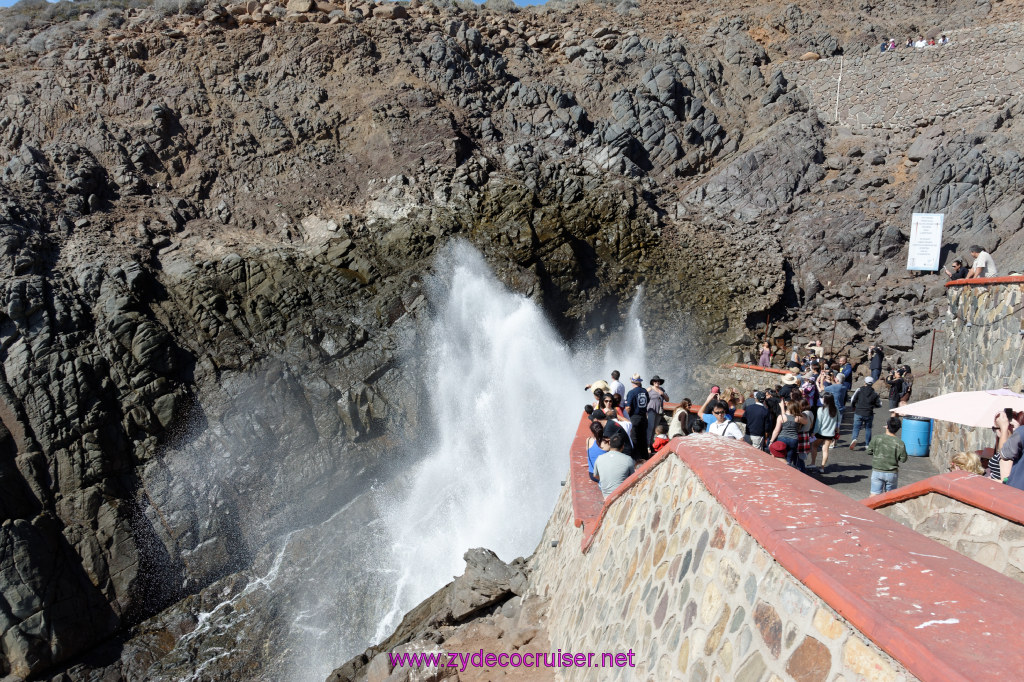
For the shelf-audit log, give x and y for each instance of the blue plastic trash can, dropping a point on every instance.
(916, 435)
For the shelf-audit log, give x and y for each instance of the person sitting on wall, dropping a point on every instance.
(967, 461)
(722, 426)
(614, 466)
(887, 453)
(959, 270)
(943, 40)
(597, 445)
(983, 266)
(892, 44)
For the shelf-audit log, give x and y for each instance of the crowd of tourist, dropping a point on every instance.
(918, 43)
(796, 420)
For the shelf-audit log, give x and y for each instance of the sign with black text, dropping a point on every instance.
(925, 241)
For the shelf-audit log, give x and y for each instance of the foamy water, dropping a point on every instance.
(505, 394)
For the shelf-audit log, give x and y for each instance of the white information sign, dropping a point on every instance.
(925, 241)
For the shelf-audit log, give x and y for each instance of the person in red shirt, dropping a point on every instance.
(660, 437)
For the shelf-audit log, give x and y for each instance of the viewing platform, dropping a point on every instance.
(735, 565)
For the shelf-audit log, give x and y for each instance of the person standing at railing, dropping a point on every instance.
(959, 270)
(617, 387)
(636, 409)
(612, 427)
(613, 467)
(597, 445)
(721, 426)
(983, 266)
(758, 420)
(655, 407)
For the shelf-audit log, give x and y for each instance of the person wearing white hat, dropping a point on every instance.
(636, 409)
(864, 402)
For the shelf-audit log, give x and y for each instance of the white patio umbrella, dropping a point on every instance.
(970, 408)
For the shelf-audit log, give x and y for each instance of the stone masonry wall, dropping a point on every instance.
(978, 70)
(986, 538)
(670, 568)
(987, 354)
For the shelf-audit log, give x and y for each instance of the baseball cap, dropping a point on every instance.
(759, 395)
(598, 414)
(868, 380)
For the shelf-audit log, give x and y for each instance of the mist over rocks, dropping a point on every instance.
(217, 226)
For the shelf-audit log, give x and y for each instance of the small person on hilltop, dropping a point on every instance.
(766, 355)
(660, 437)
(892, 44)
(887, 453)
(613, 467)
(983, 266)
(943, 40)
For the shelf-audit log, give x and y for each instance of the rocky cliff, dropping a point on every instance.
(217, 222)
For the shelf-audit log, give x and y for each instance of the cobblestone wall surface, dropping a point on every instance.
(987, 354)
(988, 539)
(672, 576)
(978, 71)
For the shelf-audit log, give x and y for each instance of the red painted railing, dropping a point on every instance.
(978, 281)
(759, 368)
(975, 491)
(840, 550)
